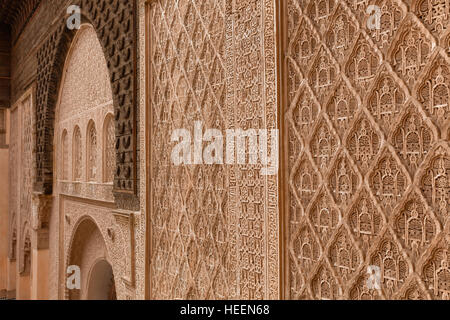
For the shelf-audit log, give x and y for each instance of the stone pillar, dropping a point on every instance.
(40, 213)
(4, 218)
(23, 287)
(24, 274)
(40, 265)
(11, 272)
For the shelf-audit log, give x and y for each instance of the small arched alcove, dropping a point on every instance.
(101, 285)
(88, 252)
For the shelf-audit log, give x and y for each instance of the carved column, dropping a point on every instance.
(24, 276)
(11, 267)
(11, 279)
(40, 214)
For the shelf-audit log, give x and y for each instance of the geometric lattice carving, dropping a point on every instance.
(414, 291)
(435, 183)
(387, 181)
(341, 108)
(209, 229)
(435, 15)
(305, 254)
(362, 64)
(369, 174)
(360, 291)
(343, 181)
(341, 33)
(294, 145)
(385, 101)
(304, 45)
(365, 221)
(446, 43)
(392, 13)
(410, 52)
(324, 285)
(434, 92)
(322, 74)
(363, 143)
(319, 13)
(323, 145)
(393, 267)
(344, 255)
(324, 217)
(306, 181)
(415, 226)
(436, 271)
(358, 7)
(412, 139)
(305, 111)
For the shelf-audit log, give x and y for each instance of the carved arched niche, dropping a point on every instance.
(115, 24)
(64, 156)
(77, 155)
(108, 160)
(87, 248)
(91, 152)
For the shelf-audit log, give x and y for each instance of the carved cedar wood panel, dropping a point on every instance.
(368, 156)
(214, 228)
(115, 27)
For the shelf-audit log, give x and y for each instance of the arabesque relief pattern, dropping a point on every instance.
(213, 236)
(367, 134)
(21, 179)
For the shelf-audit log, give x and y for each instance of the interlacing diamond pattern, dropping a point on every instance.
(190, 240)
(215, 228)
(367, 129)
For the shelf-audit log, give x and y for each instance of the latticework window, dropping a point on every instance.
(92, 153)
(109, 152)
(76, 155)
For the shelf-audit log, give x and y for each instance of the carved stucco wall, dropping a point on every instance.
(114, 22)
(214, 228)
(365, 143)
(367, 149)
(21, 176)
(85, 104)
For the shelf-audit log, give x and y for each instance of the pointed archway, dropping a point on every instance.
(88, 252)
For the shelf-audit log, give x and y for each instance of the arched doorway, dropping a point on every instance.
(101, 285)
(88, 252)
(82, 143)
